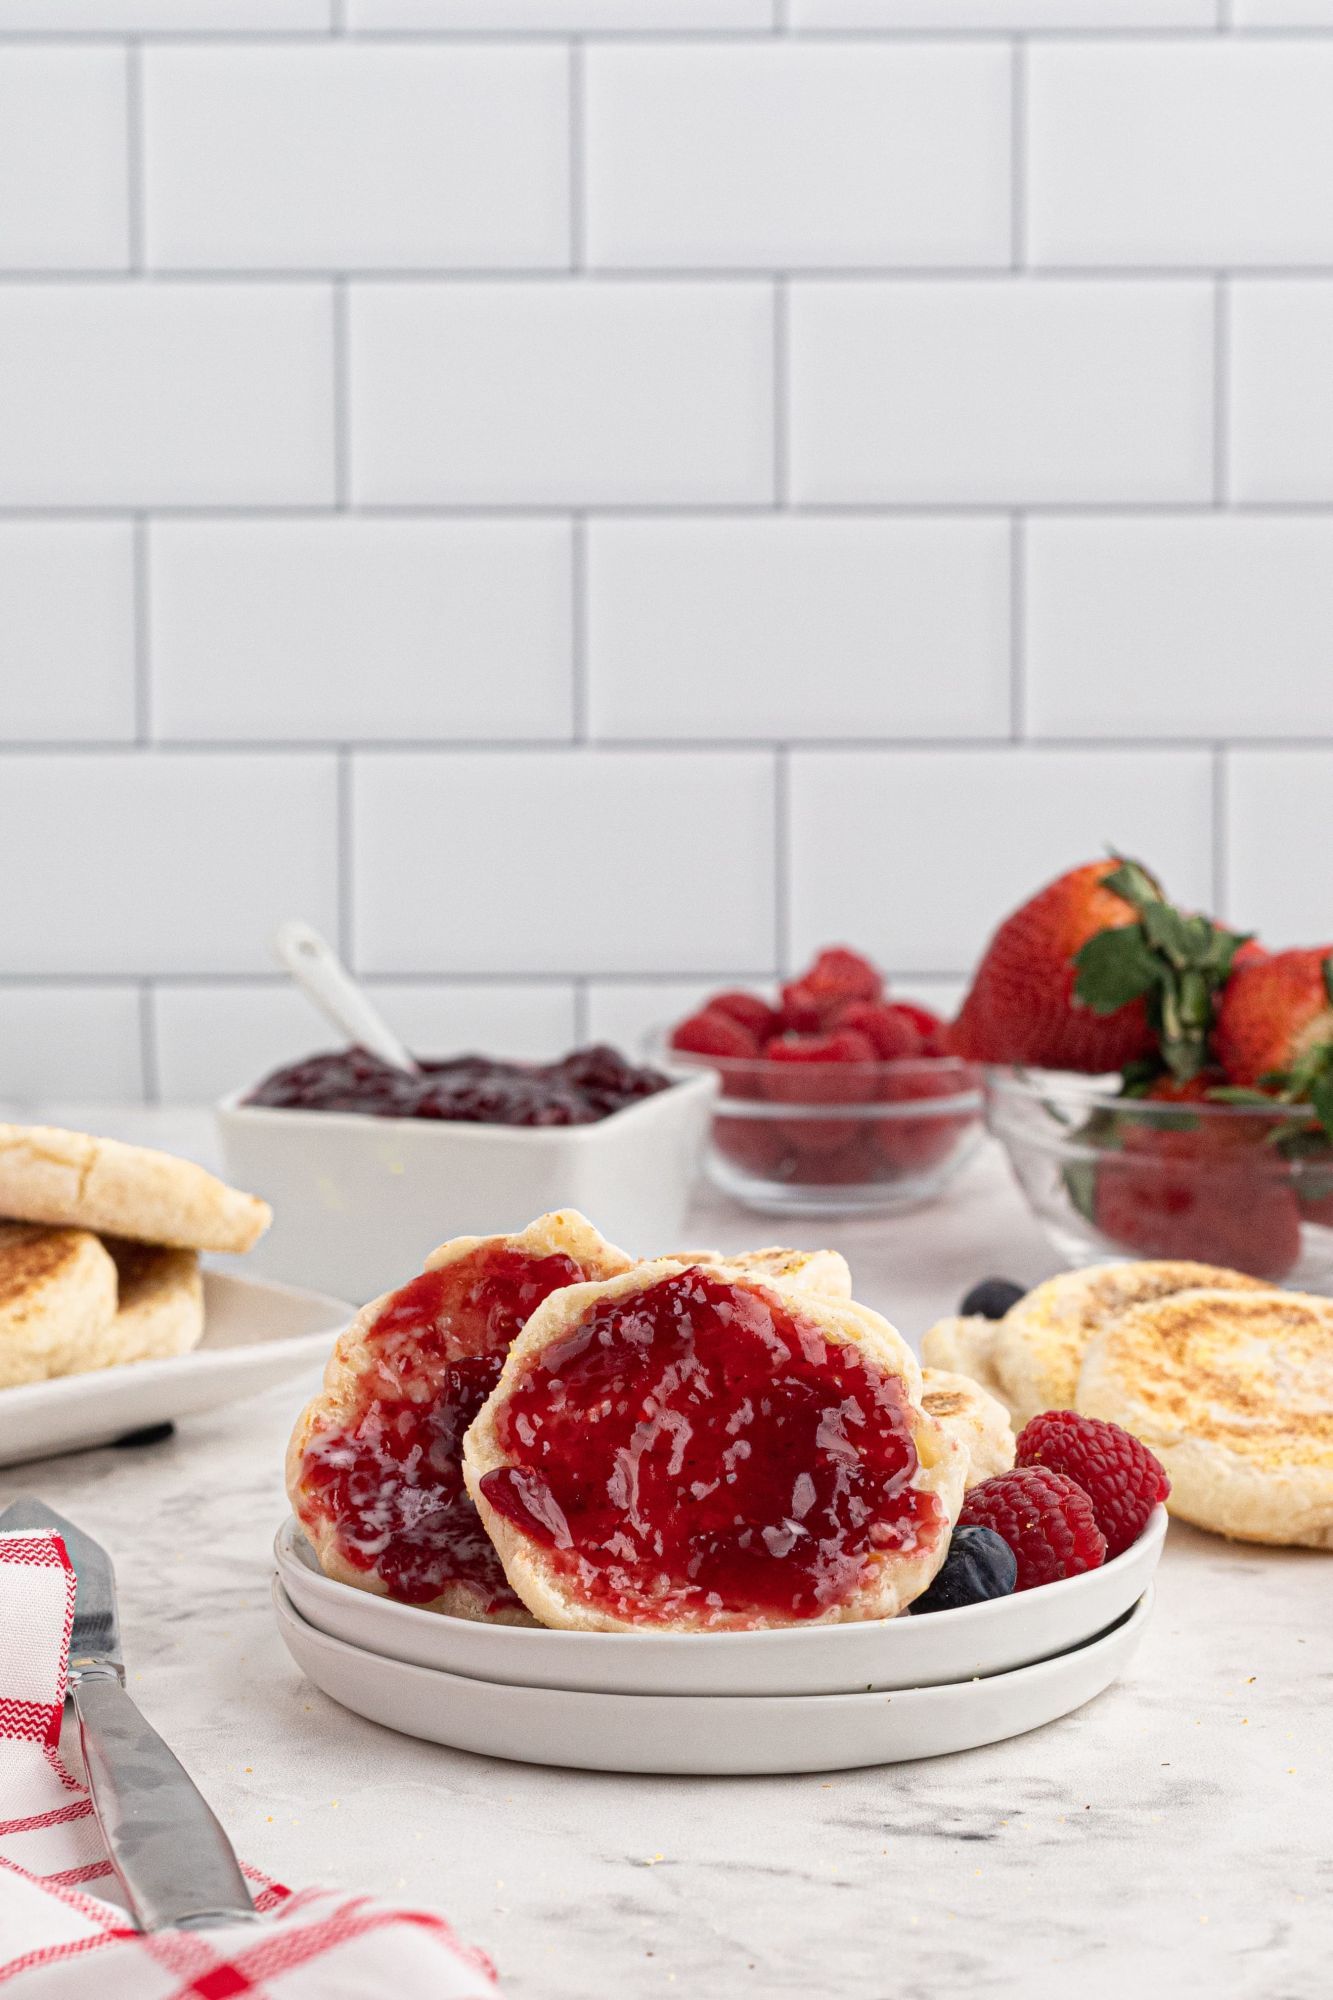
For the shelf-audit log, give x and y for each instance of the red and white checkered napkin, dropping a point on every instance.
(60, 1941)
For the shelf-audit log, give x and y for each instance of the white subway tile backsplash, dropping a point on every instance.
(70, 1041)
(780, 626)
(623, 16)
(1281, 416)
(215, 1040)
(562, 393)
(1206, 625)
(63, 159)
(1282, 13)
(1001, 390)
(356, 154)
(563, 861)
(175, 17)
(1276, 840)
(66, 631)
(1217, 150)
(124, 862)
(944, 18)
(163, 395)
(953, 839)
(360, 628)
(787, 153)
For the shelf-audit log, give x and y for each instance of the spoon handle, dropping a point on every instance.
(324, 979)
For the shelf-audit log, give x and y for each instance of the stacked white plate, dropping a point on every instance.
(815, 1698)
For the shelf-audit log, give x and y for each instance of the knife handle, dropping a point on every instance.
(173, 1860)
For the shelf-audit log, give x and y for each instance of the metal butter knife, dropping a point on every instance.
(174, 1862)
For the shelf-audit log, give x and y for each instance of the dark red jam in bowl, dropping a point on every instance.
(390, 1480)
(700, 1450)
(583, 1087)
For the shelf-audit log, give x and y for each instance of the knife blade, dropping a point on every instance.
(174, 1862)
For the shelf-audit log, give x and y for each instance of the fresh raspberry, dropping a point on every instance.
(889, 1027)
(710, 1034)
(753, 1013)
(836, 977)
(1119, 1475)
(819, 1069)
(1047, 1519)
(932, 1030)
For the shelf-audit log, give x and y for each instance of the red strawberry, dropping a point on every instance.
(836, 977)
(1021, 1006)
(1275, 1019)
(749, 1009)
(713, 1034)
(820, 1069)
(1209, 1189)
(888, 1027)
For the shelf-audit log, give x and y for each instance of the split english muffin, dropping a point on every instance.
(979, 1422)
(71, 1180)
(686, 1448)
(57, 1302)
(374, 1468)
(803, 1270)
(1233, 1390)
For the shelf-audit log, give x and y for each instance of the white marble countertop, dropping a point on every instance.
(1173, 1838)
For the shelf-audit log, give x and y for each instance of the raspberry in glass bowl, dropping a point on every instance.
(832, 1097)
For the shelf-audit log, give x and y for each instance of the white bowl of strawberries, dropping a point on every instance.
(833, 1096)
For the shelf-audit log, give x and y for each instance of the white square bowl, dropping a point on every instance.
(358, 1202)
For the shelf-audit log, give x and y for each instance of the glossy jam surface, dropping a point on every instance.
(583, 1087)
(700, 1450)
(391, 1480)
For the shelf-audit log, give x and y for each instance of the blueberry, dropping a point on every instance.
(979, 1565)
(993, 1297)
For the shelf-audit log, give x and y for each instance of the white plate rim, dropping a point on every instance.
(1032, 1674)
(517, 1636)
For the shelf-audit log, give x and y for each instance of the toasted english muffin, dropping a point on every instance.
(1039, 1344)
(374, 1467)
(805, 1270)
(687, 1449)
(980, 1423)
(74, 1181)
(57, 1302)
(1233, 1390)
(964, 1344)
(160, 1303)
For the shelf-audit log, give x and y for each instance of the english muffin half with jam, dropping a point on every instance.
(374, 1468)
(688, 1449)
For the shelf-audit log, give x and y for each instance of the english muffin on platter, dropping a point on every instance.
(72, 1180)
(1039, 1344)
(689, 1449)
(57, 1302)
(160, 1303)
(374, 1468)
(1233, 1391)
(980, 1422)
(964, 1344)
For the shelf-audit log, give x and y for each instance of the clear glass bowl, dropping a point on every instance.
(835, 1138)
(1112, 1177)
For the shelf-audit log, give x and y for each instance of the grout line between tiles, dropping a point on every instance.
(578, 635)
(782, 857)
(134, 158)
(1221, 390)
(341, 397)
(1221, 853)
(580, 998)
(641, 746)
(343, 858)
(148, 1056)
(578, 189)
(1017, 629)
(139, 599)
(1018, 153)
(781, 393)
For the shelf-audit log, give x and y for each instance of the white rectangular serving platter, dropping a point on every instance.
(255, 1334)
